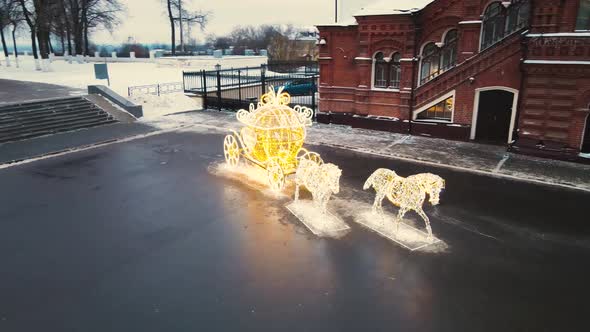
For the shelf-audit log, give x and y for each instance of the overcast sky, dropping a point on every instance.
(147, 20)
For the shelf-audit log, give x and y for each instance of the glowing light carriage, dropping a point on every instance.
(272, 137)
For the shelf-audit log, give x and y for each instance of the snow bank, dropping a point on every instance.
(154, 106)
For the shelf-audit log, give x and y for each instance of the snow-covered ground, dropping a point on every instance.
(122, 76)
(79, 76)
(155, 106)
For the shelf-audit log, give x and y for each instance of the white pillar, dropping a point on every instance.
(37, 64)
(79, 58)
(26, 53)
(97, 54)
(7, 61)
(132, 55)
(51, 56)
(152, 54)
(46, 64)
(114, 55)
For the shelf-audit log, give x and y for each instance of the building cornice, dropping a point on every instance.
(556, 62)
(559, 34)
(471, 22)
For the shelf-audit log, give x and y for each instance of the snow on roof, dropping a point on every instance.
(393, 7)
(343, 23)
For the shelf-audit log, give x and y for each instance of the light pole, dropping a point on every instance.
(335, 11)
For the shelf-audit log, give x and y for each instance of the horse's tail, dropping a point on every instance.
(370, 180)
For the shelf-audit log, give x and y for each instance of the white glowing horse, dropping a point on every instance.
(322, 180)
(406, 193)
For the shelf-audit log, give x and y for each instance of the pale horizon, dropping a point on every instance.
(147, 20)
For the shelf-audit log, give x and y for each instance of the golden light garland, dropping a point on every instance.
(406, 193)
(272, 137)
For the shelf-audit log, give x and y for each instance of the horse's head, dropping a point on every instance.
(431, 184)
(333, 174)
(434, 186)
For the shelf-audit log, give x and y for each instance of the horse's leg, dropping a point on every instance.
(400, 215)
(426, 221)
(378, 204)
(325, 200)
(297, 184)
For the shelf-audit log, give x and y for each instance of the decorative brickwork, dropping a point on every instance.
(548, 74)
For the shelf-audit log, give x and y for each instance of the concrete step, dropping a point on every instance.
(44, 115)
(58, 129)
(51, 121)
(46, 108)
(41, 103)
(39, 118)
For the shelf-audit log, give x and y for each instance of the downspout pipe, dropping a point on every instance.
(414, 70)
(525, 53)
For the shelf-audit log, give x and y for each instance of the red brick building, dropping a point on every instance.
(506, 72)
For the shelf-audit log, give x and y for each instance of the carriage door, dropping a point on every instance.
(493, 116)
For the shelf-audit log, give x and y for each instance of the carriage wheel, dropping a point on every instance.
(231, 150)
(276, 176)
(313, 156)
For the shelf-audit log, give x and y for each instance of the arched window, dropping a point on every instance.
(395, 71)
(493, 24)
(449, 50)
(430, 62)
(517, 16)
(501, 20)
(380, 79)
(583, 19)
(386, 72)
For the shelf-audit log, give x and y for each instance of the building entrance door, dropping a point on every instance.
(586, 139)
(493, 116)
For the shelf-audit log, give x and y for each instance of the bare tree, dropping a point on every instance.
(172, 26)
(184, 17)
(30, 19)
(82, 16)
(5, 13)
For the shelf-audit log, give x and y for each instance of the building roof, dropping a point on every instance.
(393, 7)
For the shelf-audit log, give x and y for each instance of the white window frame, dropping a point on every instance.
(432, 103)
(387, 59)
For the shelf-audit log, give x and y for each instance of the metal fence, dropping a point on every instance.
(305, 67)
(236, 88)
(155, 89)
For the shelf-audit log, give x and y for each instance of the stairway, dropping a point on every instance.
(471, 67)
(32, 119)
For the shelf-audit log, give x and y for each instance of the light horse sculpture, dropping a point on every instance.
(322, 180)
(406, 193)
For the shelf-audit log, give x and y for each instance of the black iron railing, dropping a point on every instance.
(236, 88)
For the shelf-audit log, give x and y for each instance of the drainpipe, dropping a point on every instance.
(525, 53)
(414, 69)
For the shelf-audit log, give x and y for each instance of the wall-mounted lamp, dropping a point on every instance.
(439, 44)
(322, 41)
(506, 4)
(471, 80)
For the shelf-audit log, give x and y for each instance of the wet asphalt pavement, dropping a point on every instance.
(139, 236)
